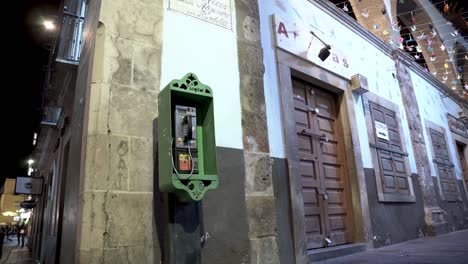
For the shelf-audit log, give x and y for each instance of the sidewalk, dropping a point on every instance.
(12, 254)
(451, 248)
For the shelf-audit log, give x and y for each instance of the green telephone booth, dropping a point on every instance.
(186, 139)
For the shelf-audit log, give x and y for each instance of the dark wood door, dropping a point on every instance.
(389, 151)
(322, 167)
(443, 165)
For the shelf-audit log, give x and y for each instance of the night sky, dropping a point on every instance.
(27, 56)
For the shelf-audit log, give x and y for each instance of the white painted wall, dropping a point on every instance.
(433, 108)
(362, 57)
(209, 51)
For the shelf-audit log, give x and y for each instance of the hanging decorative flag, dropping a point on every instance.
(433, 58)
(417, 56)
(435, 73)
(429, 41)
(418, 48)
(376, 26)
(466, 86)
(385, 32)
(365, 13)
(422, 36)
(460, 69)
(466, 57)
(459, 76)
(442, 47)
(454, 87)
(430, 26)
(446, 72)
(454, 82)
(384, 11)
(345, 7)
(454, 33)
(430, 49)
(413, 28)
(446, 66)
(445, 78)
(401, 40)
(433, 33)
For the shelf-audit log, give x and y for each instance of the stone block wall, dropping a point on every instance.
(259, 196)
(117, 183)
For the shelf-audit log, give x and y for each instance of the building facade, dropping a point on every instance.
(318, 155)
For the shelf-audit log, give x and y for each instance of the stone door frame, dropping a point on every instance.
(291, 65)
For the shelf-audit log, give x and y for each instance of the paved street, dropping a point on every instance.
(12, 254)
(445, 249)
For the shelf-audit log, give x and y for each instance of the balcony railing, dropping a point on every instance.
(71, 36)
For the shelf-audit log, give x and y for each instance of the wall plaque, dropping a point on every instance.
(216, 12)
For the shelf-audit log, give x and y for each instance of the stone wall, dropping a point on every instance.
(394, 222)
(259, 194)
(117, 178)
(433, 214)
(456, 212)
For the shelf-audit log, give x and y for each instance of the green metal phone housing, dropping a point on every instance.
(188, 91)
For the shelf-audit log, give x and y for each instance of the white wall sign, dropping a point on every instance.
(28, 185)
(381, 130)
(217, 12)
(297, 39)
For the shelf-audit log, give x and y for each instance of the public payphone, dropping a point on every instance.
(186, 139)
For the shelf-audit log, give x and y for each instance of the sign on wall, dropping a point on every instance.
(216, 12)
(297, 38)
(381, 130)
(28, 185)
(457, 126)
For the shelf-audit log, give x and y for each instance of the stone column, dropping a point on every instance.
(116, 224)
(258, 164)
(434, 215)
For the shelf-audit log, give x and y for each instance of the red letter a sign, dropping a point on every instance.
(282, 29)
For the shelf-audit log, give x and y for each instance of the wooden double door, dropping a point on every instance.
(323, 172)
(443, 165)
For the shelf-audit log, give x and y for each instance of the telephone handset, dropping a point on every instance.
(187, 127)
(185, 149)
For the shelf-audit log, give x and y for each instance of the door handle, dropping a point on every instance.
(313, 110)
(324, 195)
(321, 137)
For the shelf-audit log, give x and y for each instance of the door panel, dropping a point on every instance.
(321, 167)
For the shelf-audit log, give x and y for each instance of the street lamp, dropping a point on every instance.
(49, 25)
